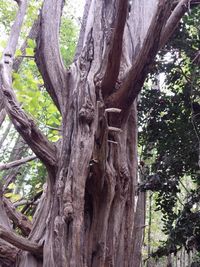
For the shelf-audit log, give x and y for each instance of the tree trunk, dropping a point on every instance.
(90, 213)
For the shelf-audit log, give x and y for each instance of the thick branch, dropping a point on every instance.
(48, 56)
(17, 217)
(16, 163)
(174, 20)
(114, 57)
(20, 242)
(134, 80)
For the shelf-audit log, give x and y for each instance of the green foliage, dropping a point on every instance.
(68, 39)
(169, 122)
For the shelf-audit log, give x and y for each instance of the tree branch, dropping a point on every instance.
(40, 145)
(16, 163)
(48, 56)
(15, 30)
(134, 80)
(174, 20)
(26, 127)
(20, 242)
(114, 57)
(17, 217)
(82, 31)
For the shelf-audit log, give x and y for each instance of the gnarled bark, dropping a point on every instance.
(90, 213)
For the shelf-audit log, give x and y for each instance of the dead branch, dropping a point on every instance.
(48, 56)
(115, 49)
(16, 163)
(17, 217)
(20, 242)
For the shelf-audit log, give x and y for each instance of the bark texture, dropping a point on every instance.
(90, 213)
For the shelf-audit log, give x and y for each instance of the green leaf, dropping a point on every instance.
(31, 43)
(29, 51)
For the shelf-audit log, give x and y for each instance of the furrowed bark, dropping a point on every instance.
(48, 56)
(20, 242)
(13, 164)
(90, 213)
(8, 254)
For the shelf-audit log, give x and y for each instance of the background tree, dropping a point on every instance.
(90, 213)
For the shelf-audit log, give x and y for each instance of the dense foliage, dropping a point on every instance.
(169, 118)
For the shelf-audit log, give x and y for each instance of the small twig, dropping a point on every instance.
(26, 56)
(184, 187)
(180, 201)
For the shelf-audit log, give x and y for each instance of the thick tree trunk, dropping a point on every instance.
(90, 214)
